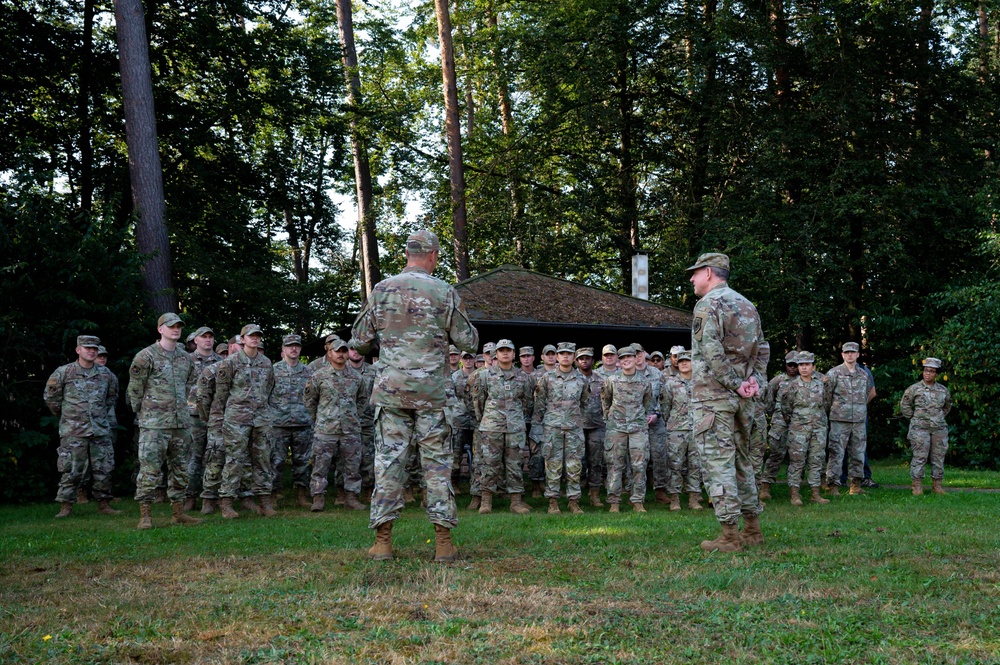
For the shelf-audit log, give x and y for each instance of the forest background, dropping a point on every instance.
(841, 151)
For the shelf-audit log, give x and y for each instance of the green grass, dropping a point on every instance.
(880, 578)
(896, 471)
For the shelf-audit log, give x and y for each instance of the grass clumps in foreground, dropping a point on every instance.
(881, 578)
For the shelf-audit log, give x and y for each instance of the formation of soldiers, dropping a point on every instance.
(219, 422)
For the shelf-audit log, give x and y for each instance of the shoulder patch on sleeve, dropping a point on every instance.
(698, 325)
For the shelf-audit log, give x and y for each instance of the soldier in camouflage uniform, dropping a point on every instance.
(414, 316)
(367, 372)
(729, 365)
(850, 391)
(475, 485)
(925, 404)
(464, 417)
(108, 442)
(777, 433)
(202, 356)
(335, 397)
(671, 368)
(81, 394)
(675, 408)
(593, 426)
(659, 467)
(804, 404)
(244, 393)
(536, 465)
(550, 359)
(626, 401)
(503, 403)
(160, 380)
(561, 397)
(291, 429)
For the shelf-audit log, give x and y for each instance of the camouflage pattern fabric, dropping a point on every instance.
(464, 417)
(343, 447)
(675, 409)
(247, 447)
(199, 426)
(158, 447)
(368, 373)
(777, 433)
(287, 400)
(804, 406)
(82, 398)
(562, 450)
(159, 383)
(659, 463)
(926, 407)
(244, 391)
(500, 456)
(214, 461)
(849, 401)
(298, 440)
(758, 436)
(846, 438)
(626, 454)
(626, 399)
(502, 400)
(73, 462)
(594, 466)
(112, 413)
(560, 400)
(335, 399)
(200, 362)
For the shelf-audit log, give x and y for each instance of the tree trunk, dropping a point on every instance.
(921, 118)
(143, 155)
(454, 131)
(371, 273)
(984, 73)
(83, 109)
(627, 186)
(704, 106)
(783, 89)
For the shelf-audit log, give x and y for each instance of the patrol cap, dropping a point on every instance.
(221, 347)
(235, 339)
(481, 358)
(792, 358)
(850, 346)
(931, 363)
(656, 354)
(422, 241)
(548, 348)
(169, 319)
(337, 344)
(526, 351)
(585, 351)
(101, 351)
(88, 341)
(684, 355)
(490, 348)
(712, 260)
(805, 357)
(626, 351)
(505, 344)
(637, 347)
(251, 329)
(566, 347)
(674, 350)
(291, 340)
(452, 350)
(329, 338)
(201, 331)
(468, 354)
(190, 338)
(609, 348)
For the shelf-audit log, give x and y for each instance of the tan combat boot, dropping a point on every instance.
(554, 507)
(302, 497)
(208, 506)
(267, 506)
(382, 549)
(339, 499)
(825, 485)
(595, 498)
(189, 504)
(765, 491)
(796, 500)
(407, 496)
(104, 508)
(661, 496)
(729, 541)
(856, 486)
(352, 503)
(226, 509)
(145, 516)
(816, 498)
(81, 496)
(638, 507)
(536, 489)
(179, 516)
(475, 503)
(694, 501)
(250, 503)
(318, 503)
(518, 506)
(834, 490)
(918, 486)
(574, 507)
(160, 496)
(936, 485)
(444, 550)
(486, 503)
(751, 534)
(65, 510)
(675, 502)
(614, 507)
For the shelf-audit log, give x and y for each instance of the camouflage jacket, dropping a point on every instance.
(335, 399)
(414, 317)
(675, 403)
(560, 399)
(926, 406)
(668, 370)
(244, 390)
(205, 392)
(593, 416)
(159, 383)
(318, 364)
(626, 400)
(773, 392)
(289, 390)
(849, 402)
(804, 404)
(503, 400)
(112, 413)
(368, 374)
(82, 398)
(655, 379)
(200, 363)
(465, 417)
(727, 345)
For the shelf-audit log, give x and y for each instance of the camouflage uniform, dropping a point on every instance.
(415, 316)
(199, 427)
(675, 408)
(368, 374)
(465, 422)
(926, 407)
(777, 434)
(848, 412)
(334, 399)
(726, 349)
(658, 459)
(215, 449)
(804, 406)
(594, 431)
(82, 398)
(291, 427)
(560, 400)
(626, 400)
(503, 401)
(159, 384)
(758, 435)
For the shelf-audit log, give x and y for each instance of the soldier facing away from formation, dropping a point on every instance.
(925, 404)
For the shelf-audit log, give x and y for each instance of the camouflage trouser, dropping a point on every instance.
(536, 461)
(626, 454)
(300, 441)
(196, 458)
(806, 445)
(156, 447)
(758, 440)
(500, 456)
(850, 437)
(246, 446)
(475, 473)
(777, 446)
(659, 463)
(681, 452)
(215, 459)
(593, 462)
(414, 473)
(563, 453)
(461, 438)
(927, 442)
(367, 456)
(722, 437)
(398, 432)
(346, 450)
(79, 457)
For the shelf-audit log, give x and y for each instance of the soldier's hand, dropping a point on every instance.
(749, 388)
(651, 419)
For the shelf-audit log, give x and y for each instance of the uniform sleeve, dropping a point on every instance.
(714, 354)
(906, 404)
(647, 398)
(223, 384)
(760, 364)
(460, 329)
(138, 374)
(364, 331)
(529, 399)
(584, 394)
(666, 400)
(53, 394)
(205, 393)
(946, 408)
(787, 403)
(361, 397)
(311, 397)
(827, 394)
(541, 400)
(607, 396)
(269, 383)
(111, 399)
(479, 395)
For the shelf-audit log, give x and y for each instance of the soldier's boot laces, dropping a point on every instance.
(694, 501)
(178, 516)
(250, 503)
(729, 541)
(145, 516)
(765, 491)
(475, 503)
(408, 495)
(595, 498)
(936, 485)
(104, 507)
(917, 486)
(65, 510)
(208, 506)
(661, 496)
(81, 496)
(554, 507)
(536, 490)
(751, 534)
(189, 504)
(518, 506)
(161, 495)
(638, 507)
(351, 501)
(796, 499)
(833, 489)
(486, 503)
(444, 550)
(675, 502)
(382, 549)
(302, 497)
(816, 498)
(226, 509)
(856, 486)
(318, 503)
(267, 506)
(574, 507)
(339, 499)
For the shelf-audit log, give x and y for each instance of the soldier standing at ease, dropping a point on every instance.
(160, 380)
(475, 485)
(594, 430)
(675, 408)
(81, 493)
(777, 433)
(658, 465)
(202, 356)
(850, 392)
(415, 317)
(81, 394)
(292, 426)
(728, 371)
(925, 404)
(465, 419)
(550, 359)
(215, 448)
(367, 372)
(804, 405)
(536, 465)
(503, 403)
(626, 400)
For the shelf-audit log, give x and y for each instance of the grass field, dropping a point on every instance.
(880, 578)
